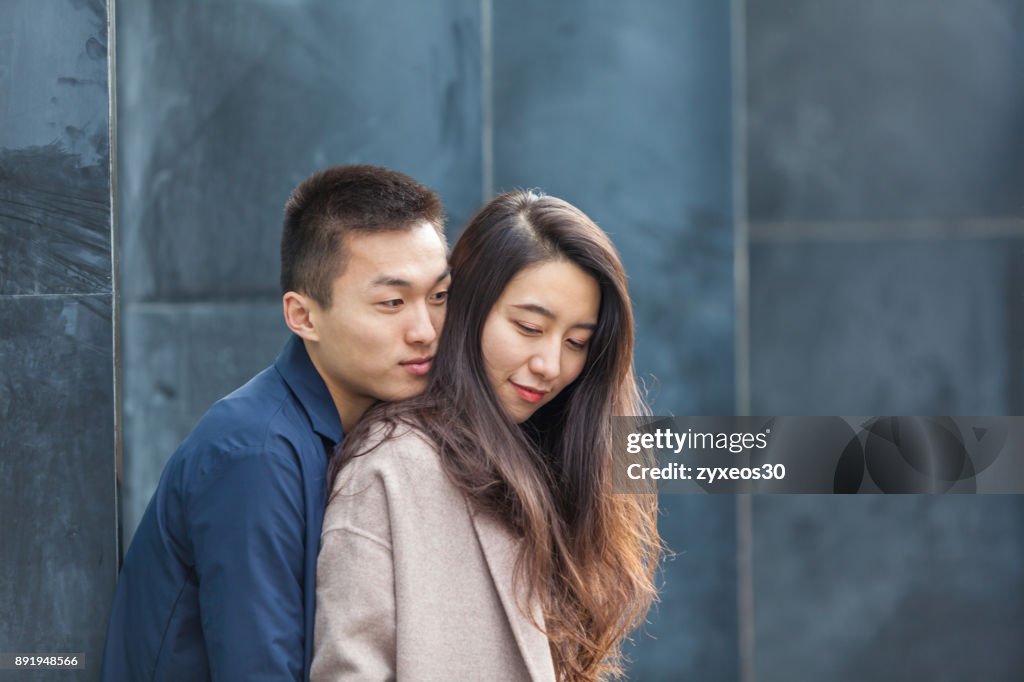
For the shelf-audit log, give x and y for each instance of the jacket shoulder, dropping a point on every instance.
(403, 453)
(259, 422)
(398, 473)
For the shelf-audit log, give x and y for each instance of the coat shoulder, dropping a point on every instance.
(401, 453)
(397, 472)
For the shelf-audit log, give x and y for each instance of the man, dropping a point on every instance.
(218, 583)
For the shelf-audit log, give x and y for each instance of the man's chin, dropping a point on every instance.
(410, 390)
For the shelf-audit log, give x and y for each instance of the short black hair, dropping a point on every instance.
(340, 200)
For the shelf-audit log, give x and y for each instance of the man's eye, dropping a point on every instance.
(393, 303)
(439, 297)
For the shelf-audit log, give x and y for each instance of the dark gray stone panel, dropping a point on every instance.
(57, 463)
(874, 109)
(884, 328)
(624, 109)
(182, 359)
(224, 107)
(889, 588)
(692, 632)
(54, 148)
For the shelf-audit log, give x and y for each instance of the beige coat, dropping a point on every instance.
(412, 584)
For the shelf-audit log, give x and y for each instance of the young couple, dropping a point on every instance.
(390, 500)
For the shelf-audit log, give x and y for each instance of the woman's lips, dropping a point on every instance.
(417, 367)
(530, 395)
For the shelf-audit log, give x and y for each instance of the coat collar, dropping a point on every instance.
(309, 388)
(500, 551)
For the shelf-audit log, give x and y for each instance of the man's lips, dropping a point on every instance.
(417, 367)
(530, 395)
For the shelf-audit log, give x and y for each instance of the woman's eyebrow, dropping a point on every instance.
(541, 310)
(535, 308)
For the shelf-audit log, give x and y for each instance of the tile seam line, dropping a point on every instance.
(67, 295)
(747, 633)
(487, 97)
(117, 348)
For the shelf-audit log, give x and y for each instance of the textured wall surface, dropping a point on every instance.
(868, 110)
(909, 587)
(885, 175)
(692, 633)
(225, 107)
(884, 151)
(625, 111)
(884, 327)
(57, 447)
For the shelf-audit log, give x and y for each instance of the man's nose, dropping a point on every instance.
(421, 329)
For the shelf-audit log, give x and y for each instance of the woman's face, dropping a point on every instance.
(537, 335)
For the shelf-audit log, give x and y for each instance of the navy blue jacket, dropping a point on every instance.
(219, 581)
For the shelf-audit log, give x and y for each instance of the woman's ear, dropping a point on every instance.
(300, 313)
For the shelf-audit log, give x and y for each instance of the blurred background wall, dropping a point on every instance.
(885, 194)
(819, 205)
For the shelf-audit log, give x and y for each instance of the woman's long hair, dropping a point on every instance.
(588, 556)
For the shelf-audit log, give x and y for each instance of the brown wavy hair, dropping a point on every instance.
(588, 556)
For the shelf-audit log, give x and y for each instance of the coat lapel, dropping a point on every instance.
(499, 548)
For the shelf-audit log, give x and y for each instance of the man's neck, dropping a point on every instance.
(348, 412)
(350, 408)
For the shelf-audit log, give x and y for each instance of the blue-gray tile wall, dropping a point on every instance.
(180, 360)
(882, 327)
(624, 109)
(881, 110)
(59, 528)
(693, 631)
(57, 411)
(54, 149)
(224, 107)
(869, 121)
(909, 587)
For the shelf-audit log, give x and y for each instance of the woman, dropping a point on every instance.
(472, 533)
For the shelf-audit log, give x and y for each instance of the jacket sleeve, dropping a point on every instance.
(355, 592)
(247, 526)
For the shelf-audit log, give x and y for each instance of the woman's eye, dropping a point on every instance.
(576, 344)
(527, 329)
(439, 297)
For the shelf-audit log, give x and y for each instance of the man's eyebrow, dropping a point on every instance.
(447, 271)
(541, 310)
(392, 281)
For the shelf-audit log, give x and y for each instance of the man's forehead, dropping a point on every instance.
(410, 257)
(373, 244)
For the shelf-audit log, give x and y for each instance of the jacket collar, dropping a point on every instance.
(500, 549)
(309, 388)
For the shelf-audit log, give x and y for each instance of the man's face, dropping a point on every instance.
(377, 339)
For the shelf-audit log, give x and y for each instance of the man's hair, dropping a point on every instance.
(338, 201)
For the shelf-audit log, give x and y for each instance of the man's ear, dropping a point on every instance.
(300, 314)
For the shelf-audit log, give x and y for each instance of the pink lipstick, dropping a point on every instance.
(530, 395)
